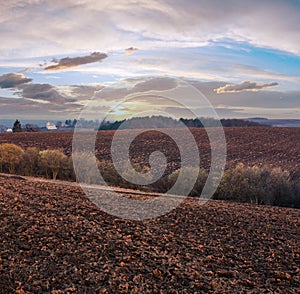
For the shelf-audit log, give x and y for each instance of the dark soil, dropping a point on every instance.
(54, 240)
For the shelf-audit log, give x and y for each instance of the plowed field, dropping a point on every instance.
(54, 240)
(278, 147)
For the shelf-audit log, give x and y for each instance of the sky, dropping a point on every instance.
(59, 58)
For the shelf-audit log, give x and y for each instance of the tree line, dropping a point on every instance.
(253, 184)
(168, 122)
(142, 122)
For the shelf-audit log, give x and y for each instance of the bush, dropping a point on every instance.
(66, 172)
(260, 185)
(84, 163)
(10, 157)
(296, 192)
(29, 162)
(113, 178)
(198, 187)
(110, 174)
(51, 161)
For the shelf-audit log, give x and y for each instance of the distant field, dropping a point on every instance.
(53, 240)
(250, 145)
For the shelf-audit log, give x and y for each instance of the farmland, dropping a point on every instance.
(277, 147)
(54, 240)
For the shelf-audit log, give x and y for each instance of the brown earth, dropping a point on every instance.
(279, 147)
(54, 240)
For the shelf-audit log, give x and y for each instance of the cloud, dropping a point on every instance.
(34, 109)
(27, 69)
(83, 92)
(244, 86)
(46, 93)
(130, 50)
(78, 26)
(201, 63)
(136, 86)
(155, 84)
(13, 80)
(247, 99)
(229, 104)
(68, 62)
(45, 100)
(43, 92)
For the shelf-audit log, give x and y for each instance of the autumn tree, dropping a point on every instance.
(30, 161)
(10, 156)
(51, 161)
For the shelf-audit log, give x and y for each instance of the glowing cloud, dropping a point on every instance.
(68, 62)
(244, 86)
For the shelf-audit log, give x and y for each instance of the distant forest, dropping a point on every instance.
(167, 122)
(134, 123)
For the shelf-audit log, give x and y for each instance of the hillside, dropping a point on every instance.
(54, 240)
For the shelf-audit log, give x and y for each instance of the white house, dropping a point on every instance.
(50, 127)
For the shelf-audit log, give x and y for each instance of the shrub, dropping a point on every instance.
(83, 164)
(66, 172)
(280, 186)
(296, 192)
(10, 157)
(113, 178)
(198, 187)
(29, 163)
(109, 173)
(51, 161)
(260, 185)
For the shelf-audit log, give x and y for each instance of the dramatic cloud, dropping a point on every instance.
(34, 109)
(78, 26)
(43, 92)
(44, 100)
(68, 62)
(13, 80)
(224, 42)
(244, 86)
(57, 98)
